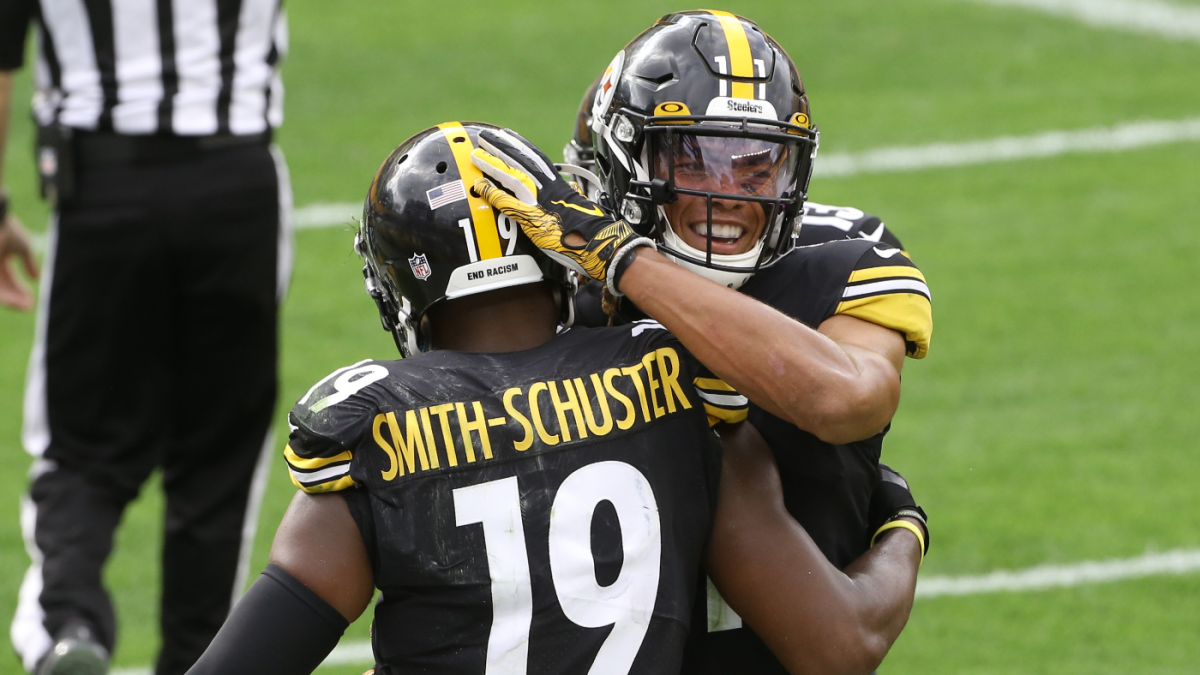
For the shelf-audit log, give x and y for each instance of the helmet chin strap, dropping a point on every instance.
(673, 241)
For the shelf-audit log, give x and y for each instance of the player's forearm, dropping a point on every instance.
(814, 618)
(885, 582)
(783, 366)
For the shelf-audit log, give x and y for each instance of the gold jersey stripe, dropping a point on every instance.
(718, 415)
(908, 313)
(333, 486)
(740, 62)
(885, 272)
(314, 463)
(482, 216)
(712, 384)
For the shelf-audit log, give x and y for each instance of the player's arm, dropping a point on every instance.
(841, 383)
(319, 578)
(318, 581)
(815, 618)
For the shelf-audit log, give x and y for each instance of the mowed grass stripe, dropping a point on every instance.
(1162, 19)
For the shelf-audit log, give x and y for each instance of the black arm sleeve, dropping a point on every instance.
(15, 16)
(279, 627)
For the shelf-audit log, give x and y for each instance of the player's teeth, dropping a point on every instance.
(719, 231)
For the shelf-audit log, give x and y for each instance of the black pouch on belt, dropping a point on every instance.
(56, 163)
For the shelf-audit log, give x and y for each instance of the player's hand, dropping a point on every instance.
(556, 218)
(14, 242)
(893, 499)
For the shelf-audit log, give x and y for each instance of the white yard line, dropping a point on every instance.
(1180, 561)
(1009, 148)
(327, 215)
(1153, 17)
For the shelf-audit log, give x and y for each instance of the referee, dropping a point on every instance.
(167, 256)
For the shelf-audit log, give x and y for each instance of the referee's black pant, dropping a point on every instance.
(155, 348)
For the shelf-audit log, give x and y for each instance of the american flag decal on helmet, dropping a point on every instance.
(446, 193)
(420, 266)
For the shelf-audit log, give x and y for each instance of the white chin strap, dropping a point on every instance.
(729, 279)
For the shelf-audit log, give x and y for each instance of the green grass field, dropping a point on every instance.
(1055, 418)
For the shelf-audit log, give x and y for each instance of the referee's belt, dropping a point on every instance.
(105, 148)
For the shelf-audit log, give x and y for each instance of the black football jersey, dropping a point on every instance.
(827, 488)
(846, 262)
(541, 511)
(820, 223)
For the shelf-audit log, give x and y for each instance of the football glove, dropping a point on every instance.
(548, 209)
(893, 499)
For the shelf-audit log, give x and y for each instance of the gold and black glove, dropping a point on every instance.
(548, 209)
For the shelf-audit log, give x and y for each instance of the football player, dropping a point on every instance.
(526, 498)
(704, 143)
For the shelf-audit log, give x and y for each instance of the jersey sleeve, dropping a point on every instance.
(722, 402)
(819, 223)
(327, 425)
(886, 289)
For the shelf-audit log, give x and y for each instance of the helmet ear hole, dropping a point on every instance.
(441, 167)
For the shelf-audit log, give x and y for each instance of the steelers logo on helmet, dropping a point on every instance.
(426, 237)
(705, 142)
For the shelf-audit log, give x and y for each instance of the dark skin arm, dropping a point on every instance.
(815, 618)
(840, 383)
(319, 543)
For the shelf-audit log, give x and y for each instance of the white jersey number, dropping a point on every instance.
(627, 604)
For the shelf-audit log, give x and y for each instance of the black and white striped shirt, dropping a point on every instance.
(182, 67)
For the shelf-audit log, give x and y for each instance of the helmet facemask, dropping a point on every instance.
(719, 80)
(751, 173)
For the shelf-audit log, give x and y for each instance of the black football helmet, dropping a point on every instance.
(426, 236)
(703, 103)
(580, 151)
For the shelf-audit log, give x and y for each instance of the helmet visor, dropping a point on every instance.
(730, 165)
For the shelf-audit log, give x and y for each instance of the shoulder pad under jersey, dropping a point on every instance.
(820, 223)
(887, 289)
(326, 424)
(722, 403)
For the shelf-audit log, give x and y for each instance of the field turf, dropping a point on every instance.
(1055, 419)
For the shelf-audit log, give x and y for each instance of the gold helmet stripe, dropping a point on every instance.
(741, 63)
(483, 219)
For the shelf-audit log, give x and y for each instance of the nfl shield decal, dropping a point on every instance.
(420, 266)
